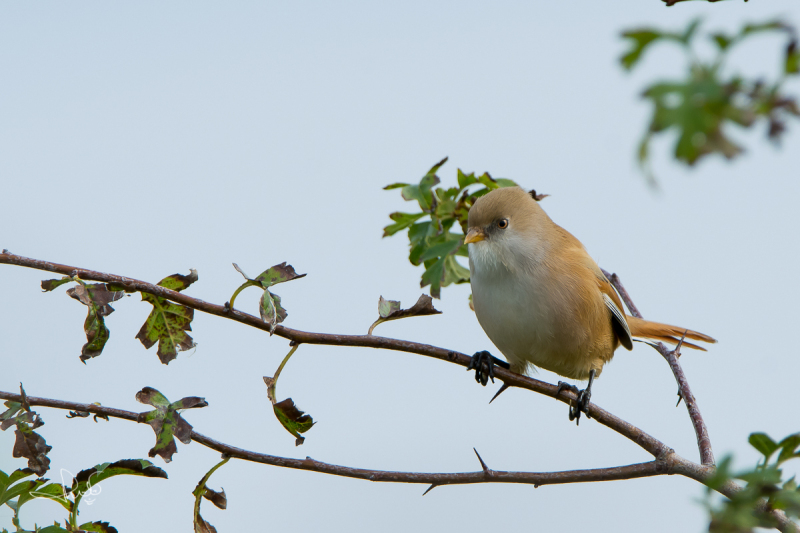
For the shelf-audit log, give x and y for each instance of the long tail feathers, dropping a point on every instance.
(665, 332)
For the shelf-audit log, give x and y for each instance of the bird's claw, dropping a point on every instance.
(582, 402)
(483, 364)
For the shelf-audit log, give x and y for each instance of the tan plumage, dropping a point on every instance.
(541, 298)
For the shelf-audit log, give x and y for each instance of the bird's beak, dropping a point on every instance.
(474, 235)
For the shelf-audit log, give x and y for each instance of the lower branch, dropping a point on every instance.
(652, 468)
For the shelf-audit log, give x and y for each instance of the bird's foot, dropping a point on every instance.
(483, 364)
(582, 402)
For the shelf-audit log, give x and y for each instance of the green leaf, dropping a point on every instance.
(442, 249)
(723, 41)
(402, 221)
(465, 180)
(50, 284)
(433, 276)
(17, 489)
(788, 447)
(395, 186)
(294, 420)
(422, 192)
(763, 443)
(168, 322)
(641, 40)
(772, 25)
(166, 421)
(52, 491)
(792, 62)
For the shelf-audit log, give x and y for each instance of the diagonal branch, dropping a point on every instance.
(671, 356)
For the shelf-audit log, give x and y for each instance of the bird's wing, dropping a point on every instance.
(614, 304)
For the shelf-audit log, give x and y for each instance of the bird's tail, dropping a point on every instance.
(664, 332)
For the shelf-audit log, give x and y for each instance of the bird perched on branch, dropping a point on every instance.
(542, 300)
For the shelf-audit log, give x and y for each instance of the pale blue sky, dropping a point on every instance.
(150, 138)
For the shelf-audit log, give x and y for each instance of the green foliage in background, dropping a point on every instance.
(764, 484)
(436, 232)
(702, 105)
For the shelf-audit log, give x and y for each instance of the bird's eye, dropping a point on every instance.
(502, 223)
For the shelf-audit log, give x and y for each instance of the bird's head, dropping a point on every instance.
(505, 226)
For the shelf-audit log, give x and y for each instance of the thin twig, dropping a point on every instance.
(671, 356)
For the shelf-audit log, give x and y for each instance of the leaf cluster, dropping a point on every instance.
(15, 491)
(702, 105)
(744, 511)
(436, 232)
(28, 443)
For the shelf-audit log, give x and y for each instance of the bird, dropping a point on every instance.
(543, 301)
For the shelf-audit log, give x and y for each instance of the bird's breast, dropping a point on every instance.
(534, 316)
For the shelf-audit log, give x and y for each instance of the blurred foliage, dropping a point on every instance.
(436, 233)
(746, 511)
(702, 105)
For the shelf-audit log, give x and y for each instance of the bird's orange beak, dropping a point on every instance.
(474, 235)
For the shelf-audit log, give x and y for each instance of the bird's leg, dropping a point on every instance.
(483, 364)
(582, 403)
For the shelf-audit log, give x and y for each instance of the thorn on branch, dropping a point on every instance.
(499, 392)
(677, 350)
(483, 465)
(226, 307)
(433, 486)
(680, 397)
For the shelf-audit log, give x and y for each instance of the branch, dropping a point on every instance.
(650, 444)
(668, 464)
(671, 356)
(666, 460)
(485, 475)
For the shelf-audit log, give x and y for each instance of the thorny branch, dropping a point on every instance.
(666, 461)
(671, 356)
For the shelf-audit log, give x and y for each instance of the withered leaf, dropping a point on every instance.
(86, 479)
(537, 197)
(217, 498)
(98, 527)
(166, 421)
(31, 446)
(97, 298)
(168, 322)
(293, 419)
(390, 310)
(270, 308)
